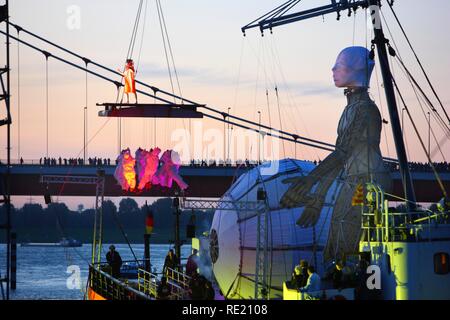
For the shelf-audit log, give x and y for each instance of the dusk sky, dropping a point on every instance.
(216, 66)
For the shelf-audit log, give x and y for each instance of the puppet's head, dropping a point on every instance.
(353, 68)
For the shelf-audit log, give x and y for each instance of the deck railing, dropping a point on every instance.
(179, 284)
(112, 289)
(147, 283)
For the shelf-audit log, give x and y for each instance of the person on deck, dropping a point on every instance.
(300, 275)
(337, 276)
(163, 290)
(313, 283)
(208, 291)
(196, 287)
(191, 265)
(129, 75)
(171, 261)
(114, 261)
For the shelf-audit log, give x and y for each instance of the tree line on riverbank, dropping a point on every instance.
(36, 223)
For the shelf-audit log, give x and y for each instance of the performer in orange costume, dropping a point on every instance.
(129, 76)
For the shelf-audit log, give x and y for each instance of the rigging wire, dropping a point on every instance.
(169, 70)
(382, 110)
(311, 142)
(118, 84)
(135, 31)
(291, 101)
(171, 52)
(142, 36)
(85, 114)
(18, 95)
(279, 116)
(435, 113)
(46, 102)
(441, 186)
(172, 59)
(422, 109)
(417, 132)
(418, 60)
(415, 85)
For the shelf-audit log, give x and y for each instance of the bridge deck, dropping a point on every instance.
(204, 182)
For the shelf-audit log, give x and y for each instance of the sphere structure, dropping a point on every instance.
(233, 234)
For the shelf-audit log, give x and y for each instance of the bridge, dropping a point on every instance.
(204, 182)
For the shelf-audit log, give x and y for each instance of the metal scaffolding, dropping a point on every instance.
(5, 180)
(260, 209)
(99, 182)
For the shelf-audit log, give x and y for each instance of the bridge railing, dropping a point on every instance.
(393, 167)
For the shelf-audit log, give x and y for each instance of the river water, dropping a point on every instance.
(51, 272)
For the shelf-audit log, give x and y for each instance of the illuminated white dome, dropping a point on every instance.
(233, 237)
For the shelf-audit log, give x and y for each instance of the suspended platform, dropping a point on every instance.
(129, 110)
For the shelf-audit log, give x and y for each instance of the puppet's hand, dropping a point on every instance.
(297, 192)
(311, 213)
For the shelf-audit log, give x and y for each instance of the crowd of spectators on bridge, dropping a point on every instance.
(96, 162)
(73, 161)
(422, 167)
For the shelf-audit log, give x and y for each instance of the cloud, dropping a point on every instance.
(216, 77)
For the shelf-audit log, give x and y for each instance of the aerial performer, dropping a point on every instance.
(356, 160)
(168, 171)
(129, 75)
(124, 173)
(147, 165)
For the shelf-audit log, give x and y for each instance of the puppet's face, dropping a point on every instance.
(343, 76)
(353, 68)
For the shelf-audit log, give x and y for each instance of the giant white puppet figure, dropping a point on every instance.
(124, 173)
(168, 171)
(356, 160)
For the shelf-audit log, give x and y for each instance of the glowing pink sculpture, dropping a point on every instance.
(168, 172)
(147, 165)
(141, 160)
(124, 173)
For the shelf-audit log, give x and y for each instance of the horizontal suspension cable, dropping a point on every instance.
(292, 137)
(155, 90)
(49, 55)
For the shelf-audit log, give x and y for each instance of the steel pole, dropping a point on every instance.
(380, 41)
